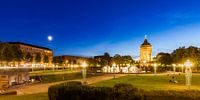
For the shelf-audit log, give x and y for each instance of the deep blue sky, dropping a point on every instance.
(92, 27)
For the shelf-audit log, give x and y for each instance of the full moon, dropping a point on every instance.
(50, 38)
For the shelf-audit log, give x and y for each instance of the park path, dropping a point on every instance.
(43, 87)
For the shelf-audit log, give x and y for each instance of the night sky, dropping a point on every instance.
(92, 27)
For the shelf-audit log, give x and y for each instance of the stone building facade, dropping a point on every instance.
(33, 50)
(145, 53)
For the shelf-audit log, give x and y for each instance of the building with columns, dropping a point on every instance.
(145, 53)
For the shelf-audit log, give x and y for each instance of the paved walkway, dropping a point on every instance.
(43, 88)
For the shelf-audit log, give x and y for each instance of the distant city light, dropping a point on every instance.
(50, 38)
(188, 63)
(84, 64)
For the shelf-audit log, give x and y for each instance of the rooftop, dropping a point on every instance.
(28, 45)
(145, 42)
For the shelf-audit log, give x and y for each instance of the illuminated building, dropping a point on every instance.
(145, 53)
(33, 50)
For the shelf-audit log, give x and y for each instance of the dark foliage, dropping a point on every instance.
(75, 91)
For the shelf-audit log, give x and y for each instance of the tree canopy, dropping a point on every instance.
(38, 58)
(180, 55)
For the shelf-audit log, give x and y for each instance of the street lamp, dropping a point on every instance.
(128, 67)
(114, 68)
(182, 67)
(174, 68)
(188, 73)
(84, 72)
(155, 68)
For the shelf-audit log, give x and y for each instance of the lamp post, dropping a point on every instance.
(188, 73)
(84, 72)
(174, 68)
(155, 68)
(114, 69)
(128, 67)
(53, 67)
(182, 67)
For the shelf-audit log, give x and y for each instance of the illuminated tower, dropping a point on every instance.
(145, 53)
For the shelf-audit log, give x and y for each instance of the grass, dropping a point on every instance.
(63, 77)
(49, 76)
(45, 79)
(51, 72)
(146, 82)
(41, 96)
(150, 82)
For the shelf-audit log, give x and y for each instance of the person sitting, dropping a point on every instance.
(173, 80)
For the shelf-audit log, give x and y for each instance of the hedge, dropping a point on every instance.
(76, 91)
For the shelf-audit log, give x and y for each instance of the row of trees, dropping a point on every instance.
(13, 53)
(100, 61)
(107, 60)
(179, 56)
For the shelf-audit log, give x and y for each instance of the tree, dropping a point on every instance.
(29, 57)
(1, 52)
(7, 54)
(17, 53)
(60, 61)
(178, 55)
(117, 59)
(46, 59)
(106, 59)
(164, 59)
(127, 60)
(55, 62)
(91, 62)
(38, 58)
(192, 53)
(103, 60)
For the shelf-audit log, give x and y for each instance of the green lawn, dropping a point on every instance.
(42, 96)
(146, 82)
(63, 77)
(51, 72)
(150, 82)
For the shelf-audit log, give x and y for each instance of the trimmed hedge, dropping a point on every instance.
(125, 91)
(75, 91)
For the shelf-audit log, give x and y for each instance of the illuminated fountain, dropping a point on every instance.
(117, 69)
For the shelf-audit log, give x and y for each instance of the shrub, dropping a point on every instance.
(57, 90)
(125, 91)
(75, 91)
(96, 93)
(74, 83)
